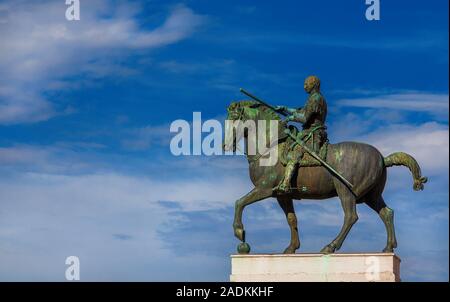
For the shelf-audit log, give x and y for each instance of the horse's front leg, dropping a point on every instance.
(254, 195)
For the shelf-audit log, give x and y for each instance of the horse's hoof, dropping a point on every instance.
(239, 233)
(329, 249)
(388, 250)
(243, 248)
(289, 250)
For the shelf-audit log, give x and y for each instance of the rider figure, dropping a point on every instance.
(312, 116)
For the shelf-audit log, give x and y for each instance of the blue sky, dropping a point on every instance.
(84, 130)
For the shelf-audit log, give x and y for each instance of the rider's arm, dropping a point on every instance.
(297, 116)
(291, 110)
(285, 109)
(304, 114)
(293, 114)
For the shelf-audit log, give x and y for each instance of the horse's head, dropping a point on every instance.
(235, 113)
(238, 121)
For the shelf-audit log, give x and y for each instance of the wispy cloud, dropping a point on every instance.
(196, 68)
(435, 104)
(228, 75)
(142, 138)
(110, 221)
(58, 158)
(420, 41)
(382, 121)
(40, 48)
(428, 143)
(416, 42)
(122, 237)
(133, 216)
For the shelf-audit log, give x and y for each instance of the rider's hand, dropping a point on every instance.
(280, 108)
(289, 118)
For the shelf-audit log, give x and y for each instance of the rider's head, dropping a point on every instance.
(312, 83)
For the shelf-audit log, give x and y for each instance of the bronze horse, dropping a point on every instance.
(362, 164)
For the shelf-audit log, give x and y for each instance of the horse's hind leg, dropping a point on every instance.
(387, 215)
(288, 207)
(348, 202)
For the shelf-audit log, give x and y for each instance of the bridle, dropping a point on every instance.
(257, 156)
(240, 115)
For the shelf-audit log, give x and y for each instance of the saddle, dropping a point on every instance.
(289, 145)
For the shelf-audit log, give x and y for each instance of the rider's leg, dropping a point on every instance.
(285, 184)
(293, 159)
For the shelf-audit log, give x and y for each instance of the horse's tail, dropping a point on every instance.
(404, 159)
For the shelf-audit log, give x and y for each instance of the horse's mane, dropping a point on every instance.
(263, 108)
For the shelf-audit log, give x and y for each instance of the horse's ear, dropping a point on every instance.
(232, 106)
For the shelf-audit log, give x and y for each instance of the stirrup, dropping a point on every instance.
(279, 190)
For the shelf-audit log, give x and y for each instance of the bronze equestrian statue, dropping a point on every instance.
(353, 171)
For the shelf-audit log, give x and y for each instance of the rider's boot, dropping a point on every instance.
(285, 184)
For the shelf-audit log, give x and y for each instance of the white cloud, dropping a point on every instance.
(435, 104)
(59, 158)
(209, 67)
(428, 143)
(145, 137)
(385, 124)
(45, 218)
(39, 48)
(22, 155)
(416, 42)
(52, 213)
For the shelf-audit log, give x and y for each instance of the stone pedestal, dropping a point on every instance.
(362, 267)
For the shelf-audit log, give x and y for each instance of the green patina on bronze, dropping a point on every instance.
(360, 163)
(338, 155)
(251, 113)
(403, 159)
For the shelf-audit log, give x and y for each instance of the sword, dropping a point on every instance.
(313, 154)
